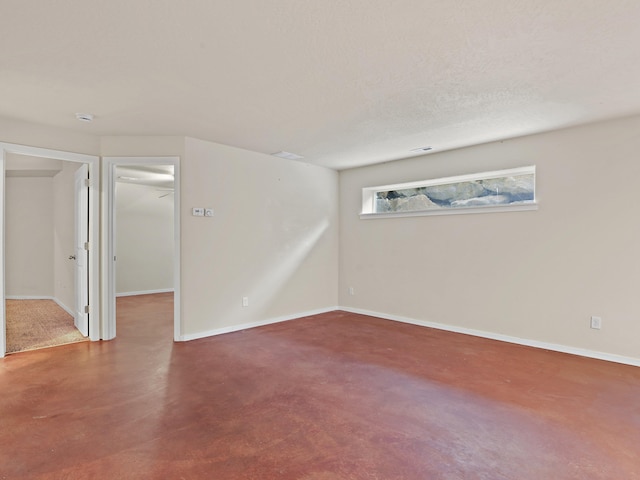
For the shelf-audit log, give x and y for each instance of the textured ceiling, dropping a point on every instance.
(343, 83)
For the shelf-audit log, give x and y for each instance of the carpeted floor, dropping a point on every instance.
(33, 324)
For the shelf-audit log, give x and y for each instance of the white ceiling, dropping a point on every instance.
(343, 83)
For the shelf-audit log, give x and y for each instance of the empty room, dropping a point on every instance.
(323, 240)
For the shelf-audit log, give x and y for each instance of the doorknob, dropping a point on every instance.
(72, 257)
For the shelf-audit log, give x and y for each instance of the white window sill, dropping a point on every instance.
(453, 211)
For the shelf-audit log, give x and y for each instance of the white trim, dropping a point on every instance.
(260, 323)
(530, 169)
(108, 276)
(144, 292)
(609, 357)
(94, 253)
(108, 239)
(514, 207)
(48, 153)
(3, 310)
(63, 306)
(503, 338)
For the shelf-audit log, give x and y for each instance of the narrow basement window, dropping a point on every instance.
(503, 190)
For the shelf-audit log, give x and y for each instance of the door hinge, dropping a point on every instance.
(86, 309)
(87, 182)
(86, 246)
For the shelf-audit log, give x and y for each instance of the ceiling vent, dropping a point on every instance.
(288, 155)
(84, 117)
(421, 149)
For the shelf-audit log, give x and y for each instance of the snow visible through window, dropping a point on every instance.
(503, 188)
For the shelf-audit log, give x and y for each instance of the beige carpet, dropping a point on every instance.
(35, 324)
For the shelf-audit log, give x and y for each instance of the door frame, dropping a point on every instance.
(94, 236)
(80, 254)
(109, 165)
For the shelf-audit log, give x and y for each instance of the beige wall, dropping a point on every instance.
(29, 267)
(40, 230)
(30, 134)
(34, 135)
(141, 146)
(536, 275)
(28, 166)
(144, 239)
(274, 237)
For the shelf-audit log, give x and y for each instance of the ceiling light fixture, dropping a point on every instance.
(288, 155)
(421, 149)
(84, 117)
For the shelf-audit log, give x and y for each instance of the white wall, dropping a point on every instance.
(274, 237)
(144, 239)
(29, 267)
(536, 275)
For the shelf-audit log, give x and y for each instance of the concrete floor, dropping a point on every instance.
(329, 397)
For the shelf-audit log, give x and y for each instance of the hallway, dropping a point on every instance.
(334, 396)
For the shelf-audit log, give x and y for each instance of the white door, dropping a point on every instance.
(82, 252)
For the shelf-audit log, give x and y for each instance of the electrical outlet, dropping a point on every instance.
(596, 323)
(197, 212)
(208, 212)
(245, 301)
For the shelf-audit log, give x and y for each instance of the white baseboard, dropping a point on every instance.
(503, 338)
(64, 307)
(245, 326)
(440, 326)
(41, 297)
(144, 292)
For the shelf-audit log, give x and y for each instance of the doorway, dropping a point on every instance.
(44, 273)
(48, 268)
(142, 251)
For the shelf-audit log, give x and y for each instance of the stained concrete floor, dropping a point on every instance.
(330, 397)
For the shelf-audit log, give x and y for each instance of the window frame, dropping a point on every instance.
(369, 195)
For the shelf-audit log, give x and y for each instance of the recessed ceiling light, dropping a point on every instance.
(84, 117)
(421, 149)
(288, 155)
